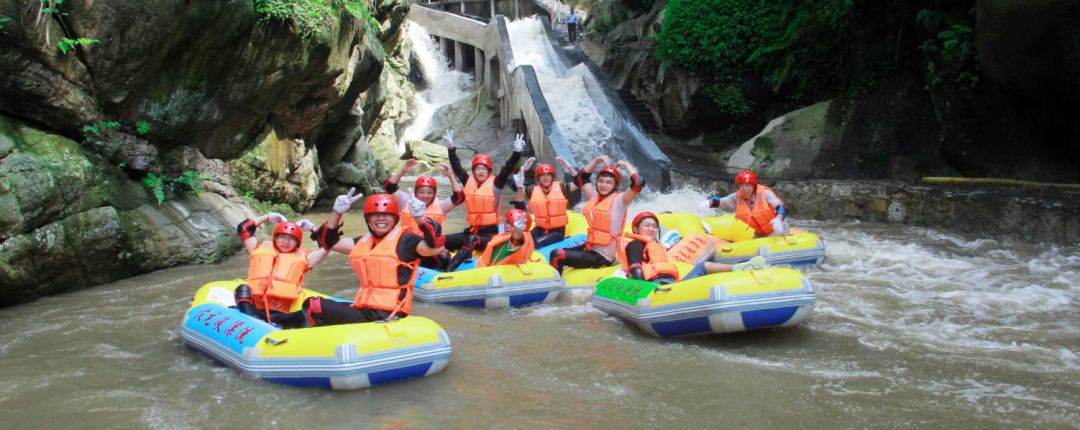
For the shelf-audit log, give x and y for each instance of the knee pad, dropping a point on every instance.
(244, 302)
(312, 309)
(556, 258)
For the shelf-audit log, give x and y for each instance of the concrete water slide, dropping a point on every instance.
(518, 92)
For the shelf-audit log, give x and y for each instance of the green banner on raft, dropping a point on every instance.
(628, 291)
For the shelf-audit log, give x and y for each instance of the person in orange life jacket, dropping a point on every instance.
(548, 201)
(482, 195)
(276, 268)
(512, 246)
(436, 209)
(605, 212)
(645, 258)
(756, 205)
(385, 261)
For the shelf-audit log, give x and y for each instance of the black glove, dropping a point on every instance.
(432, 233)
(246, 229)
(326, 237)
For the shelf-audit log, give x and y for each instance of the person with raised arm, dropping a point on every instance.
(547, 200)
(276, 268)
(385, 260)
(483, 198)
(425, 191)
(605, 212)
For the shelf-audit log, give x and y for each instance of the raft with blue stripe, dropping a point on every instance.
(717, 303)
(512, 285)
(340, 357)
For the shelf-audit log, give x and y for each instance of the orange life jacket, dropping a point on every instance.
(433, 211)
(549, 209)
(519, 256)
(376, 264)
(598, 213)
(654, 260)
(276, 279)
(759, 218)
(481, 203)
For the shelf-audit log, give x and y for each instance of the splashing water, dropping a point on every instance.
(444, 85)
(581, 124)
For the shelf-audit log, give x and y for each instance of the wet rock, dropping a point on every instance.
(279, 169)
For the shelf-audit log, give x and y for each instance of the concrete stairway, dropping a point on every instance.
(640, 112)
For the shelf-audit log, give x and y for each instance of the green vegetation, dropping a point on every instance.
(313, 17)
(189, 180)
(142, 127)
(70, 44)
(268, 206)
(808, 51)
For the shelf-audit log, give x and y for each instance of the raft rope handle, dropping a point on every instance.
(276, 342)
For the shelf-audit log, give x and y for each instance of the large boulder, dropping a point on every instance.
(71, 220)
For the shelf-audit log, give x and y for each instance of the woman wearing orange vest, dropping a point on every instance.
(385, 261)
(512, 246)
(276, 268)
(645, 258)
(548, 201)
(483, 197)
(605, 212)
(425, 191)
(756, 205)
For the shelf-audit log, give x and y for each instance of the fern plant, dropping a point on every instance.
(156, 184)
(67, 44)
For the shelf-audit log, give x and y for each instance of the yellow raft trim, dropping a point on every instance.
(323, 341)
(510, 274)
(735, 283)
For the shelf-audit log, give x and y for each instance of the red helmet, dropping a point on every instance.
(426, 181)
(611, 170)
(746, 177)
(641, 216)
(481, 159)
(545, 169)
(513, 215)
(290, 229)
(381, 204)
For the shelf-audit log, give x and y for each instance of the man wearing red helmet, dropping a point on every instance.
(275, 269)
(385, 261)
(645, 258)
(425, 192)
(756, 205)
(483, 195)
(605, 211)
(548, 201)
(512, 246)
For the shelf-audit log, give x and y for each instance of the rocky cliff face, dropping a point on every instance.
(1015, 122)
(100, 95)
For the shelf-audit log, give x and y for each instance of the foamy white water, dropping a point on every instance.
(575, 112)
(443, 84)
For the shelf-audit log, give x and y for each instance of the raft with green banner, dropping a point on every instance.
(717, 303)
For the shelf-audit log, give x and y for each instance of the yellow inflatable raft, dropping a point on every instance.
(341, 357)
(716, 303)
(493, 286)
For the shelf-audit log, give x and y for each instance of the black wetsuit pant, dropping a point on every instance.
(321, 311)
(456, 241)
(542, 238)
(437, 262)
(577, 257)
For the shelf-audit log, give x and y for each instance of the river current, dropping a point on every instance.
(913, 328)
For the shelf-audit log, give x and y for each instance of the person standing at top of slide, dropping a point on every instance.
(572, 25)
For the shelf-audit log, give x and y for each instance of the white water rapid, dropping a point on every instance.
(443, 84)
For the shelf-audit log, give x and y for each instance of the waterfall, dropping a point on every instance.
(443, 85)
(576, 114)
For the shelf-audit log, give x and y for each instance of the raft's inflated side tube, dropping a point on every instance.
(576, 224)
(586, 279)
(569, 242)
(717, 303)
(693, 248)
(797, 248)
(492, 286)
(341, 357)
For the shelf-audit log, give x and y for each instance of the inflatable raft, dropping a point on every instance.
(797, 248)
(491, 287)
(340, 357)
(716, 303)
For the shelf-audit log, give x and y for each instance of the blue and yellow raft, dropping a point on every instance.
(717, 303)
(491, 287)
(340, 357)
